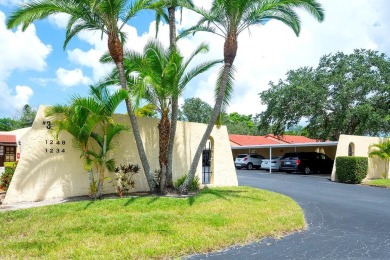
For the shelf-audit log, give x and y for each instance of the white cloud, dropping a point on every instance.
(21, 50)
(13, 100)
(70, 78)
(59, 20)
(18, 51)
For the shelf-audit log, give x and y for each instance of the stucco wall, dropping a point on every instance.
(361, 148)
(54, 170)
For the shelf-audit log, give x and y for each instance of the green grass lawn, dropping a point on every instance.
(379, 183)
(147, 227)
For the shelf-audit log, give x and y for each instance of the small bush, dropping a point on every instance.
(6, 177)
(195, 184)
(124, 178)
(351, 169)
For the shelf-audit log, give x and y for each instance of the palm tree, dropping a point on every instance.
(101, 105)
(88, 119)
(382, 151)
(79, 124)
(107, 16)
(161, 77)
(227, 19)
(169, 17)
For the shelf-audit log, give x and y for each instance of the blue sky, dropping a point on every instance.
(35, 69)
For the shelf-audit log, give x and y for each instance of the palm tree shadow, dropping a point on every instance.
(226, 195)
(130, 201)
(89, 204)
(222, 194)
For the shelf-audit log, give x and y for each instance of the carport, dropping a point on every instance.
(270, 150)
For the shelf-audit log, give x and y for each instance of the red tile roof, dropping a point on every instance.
(240, 140)
(291, 138)
(7, 138)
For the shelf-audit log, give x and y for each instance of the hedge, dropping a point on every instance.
(351, 169)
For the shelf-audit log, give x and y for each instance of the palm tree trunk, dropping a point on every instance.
(175, 107)
(175, 102)
(183, 189)
(172, 27)
(101, 181)
(136, 132)
(164, 129)
(229, 52)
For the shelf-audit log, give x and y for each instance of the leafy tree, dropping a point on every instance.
(241, 124)
(228, 18)
(161, 75)
(148, 110)
(195, 110)
(382, 150)
(27, 116)
(24, 119)
(8, 124)
(345, 94)
(107, 16)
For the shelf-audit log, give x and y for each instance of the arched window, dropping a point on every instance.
(351, 149)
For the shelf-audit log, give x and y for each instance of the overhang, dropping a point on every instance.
(314, 144)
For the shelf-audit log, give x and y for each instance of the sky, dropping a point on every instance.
(36, 70)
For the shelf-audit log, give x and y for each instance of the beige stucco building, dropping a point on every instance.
(352, 145)
(50, 168)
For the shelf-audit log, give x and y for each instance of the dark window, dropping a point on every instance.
(351, 149)
(10, 154)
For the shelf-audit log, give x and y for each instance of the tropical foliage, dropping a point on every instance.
(346, 93)
(161, 76)
(229, 18)
(382, 150)
(108, 17)
(89, 121)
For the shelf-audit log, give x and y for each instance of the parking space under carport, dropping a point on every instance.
(271, 150)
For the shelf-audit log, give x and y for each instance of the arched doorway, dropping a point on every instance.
(208, 162)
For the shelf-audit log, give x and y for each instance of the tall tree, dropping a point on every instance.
(161, 75)
(166, 9)
(345, 94)
(228, 18)
(27, 116)
(195, 110)
(241, 124)
(107, 16)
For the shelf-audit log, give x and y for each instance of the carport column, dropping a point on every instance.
(270, 156)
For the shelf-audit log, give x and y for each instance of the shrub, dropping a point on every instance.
(195, 184)
(6, 177)
(351, 169)
(124, 178)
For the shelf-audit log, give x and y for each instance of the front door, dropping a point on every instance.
(9, 153)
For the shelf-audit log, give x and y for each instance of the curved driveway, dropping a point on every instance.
(344, 221)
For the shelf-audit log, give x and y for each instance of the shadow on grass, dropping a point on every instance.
(89, 204)
(221, 194)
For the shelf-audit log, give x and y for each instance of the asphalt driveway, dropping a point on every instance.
(344, 221)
